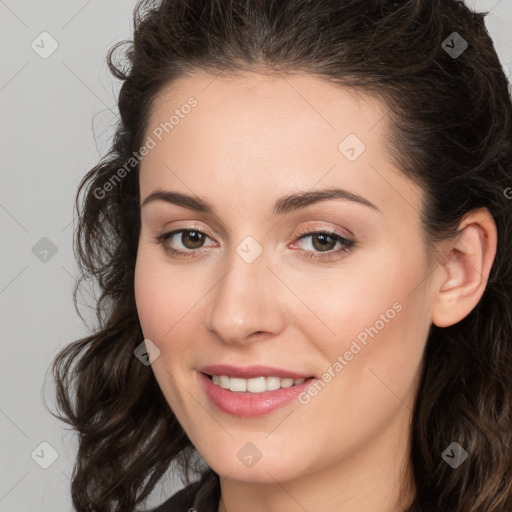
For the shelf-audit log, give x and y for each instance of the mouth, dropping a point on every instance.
(252, 391)
(260, 384)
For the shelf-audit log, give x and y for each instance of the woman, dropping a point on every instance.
(303, 240)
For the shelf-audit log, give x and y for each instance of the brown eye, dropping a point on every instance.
(323, 242)
(192, 239)
(183, 243)
(322, 245)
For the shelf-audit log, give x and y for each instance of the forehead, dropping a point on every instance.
(293, 94)
(259, 133)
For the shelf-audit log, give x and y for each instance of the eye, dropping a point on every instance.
(322, 243)
(191, 239)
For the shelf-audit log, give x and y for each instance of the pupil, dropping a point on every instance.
(195, 236)
(324, 240)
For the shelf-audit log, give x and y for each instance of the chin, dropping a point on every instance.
(266, 469)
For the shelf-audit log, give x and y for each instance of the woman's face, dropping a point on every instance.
(255, 284)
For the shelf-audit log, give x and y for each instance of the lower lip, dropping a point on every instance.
(251, 404)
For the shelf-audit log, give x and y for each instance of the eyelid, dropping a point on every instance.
(304, 231)
(326, 229)
(188, 226)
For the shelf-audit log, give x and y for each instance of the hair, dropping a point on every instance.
(452, 135)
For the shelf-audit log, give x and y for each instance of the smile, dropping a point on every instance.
(254, 385)
(255, 396)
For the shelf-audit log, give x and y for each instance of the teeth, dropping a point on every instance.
(255, 385)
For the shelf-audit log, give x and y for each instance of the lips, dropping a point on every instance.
(249, 404)
(249, 372)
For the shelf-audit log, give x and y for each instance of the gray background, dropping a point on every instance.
(57, 118)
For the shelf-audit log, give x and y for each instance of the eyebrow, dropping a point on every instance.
(283, 204)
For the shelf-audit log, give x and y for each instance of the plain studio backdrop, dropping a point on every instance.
(58, 109)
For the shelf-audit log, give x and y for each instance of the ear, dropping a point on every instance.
(465, 264)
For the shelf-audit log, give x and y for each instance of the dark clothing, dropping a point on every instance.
(201, 496)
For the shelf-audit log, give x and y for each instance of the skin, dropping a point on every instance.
(251, 139)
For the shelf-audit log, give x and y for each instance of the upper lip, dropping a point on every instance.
(247, 372)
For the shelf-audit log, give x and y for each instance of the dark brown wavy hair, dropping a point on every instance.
(452, 135)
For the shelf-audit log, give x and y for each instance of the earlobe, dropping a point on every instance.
(465, 269)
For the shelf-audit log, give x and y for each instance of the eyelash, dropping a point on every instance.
(347, 245)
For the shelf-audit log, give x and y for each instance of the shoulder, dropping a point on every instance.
(200, 496)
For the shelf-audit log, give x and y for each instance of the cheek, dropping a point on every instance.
(381, 334)
(380, 319)
(156, 297)
(381, 295)
(148, 297)
(159, 312)
(168, 307)
(372, 362)
(160, 295)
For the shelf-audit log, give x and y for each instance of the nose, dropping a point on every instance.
(246, 303)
